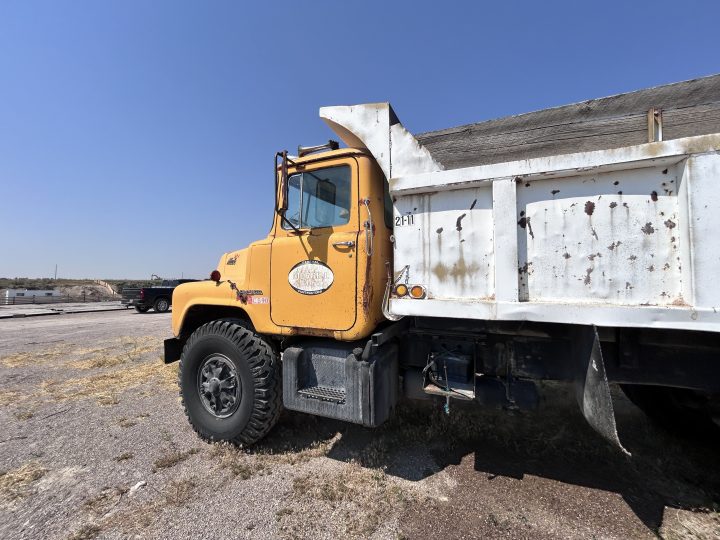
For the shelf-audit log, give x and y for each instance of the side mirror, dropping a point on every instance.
(284, 181)
(282, 192)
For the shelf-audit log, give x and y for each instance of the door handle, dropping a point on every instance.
(348, 243)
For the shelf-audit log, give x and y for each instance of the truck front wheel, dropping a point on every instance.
(230, 383)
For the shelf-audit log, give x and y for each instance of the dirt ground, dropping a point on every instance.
(94, 444)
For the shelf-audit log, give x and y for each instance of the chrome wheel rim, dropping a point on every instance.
(219, 386)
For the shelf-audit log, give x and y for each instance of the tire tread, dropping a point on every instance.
(264, 363)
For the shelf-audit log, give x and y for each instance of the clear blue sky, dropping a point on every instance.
(136, 137)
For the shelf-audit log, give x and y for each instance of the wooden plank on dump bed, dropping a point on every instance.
(689, 108)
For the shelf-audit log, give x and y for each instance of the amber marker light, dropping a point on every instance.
(417, 292)
(401, 290)
(215, 275)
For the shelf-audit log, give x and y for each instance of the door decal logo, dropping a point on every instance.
(311, 277)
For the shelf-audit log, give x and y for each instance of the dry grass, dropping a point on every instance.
(17, 483)
(86, 532)
(359, 499)
(8, 397)
(258, 461)
(135, 519)
(104, 384)
(126, 422)
(173, 458)
(24, 415)
(690, 524)
(124, 456)
(119, 351)
(105, 501)
(104, 387)
(41, 356)
(179, 492)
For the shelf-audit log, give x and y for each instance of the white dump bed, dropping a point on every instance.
(624, 237)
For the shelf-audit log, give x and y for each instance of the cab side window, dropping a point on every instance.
(319, 198)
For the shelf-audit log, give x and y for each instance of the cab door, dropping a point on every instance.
(313, 269)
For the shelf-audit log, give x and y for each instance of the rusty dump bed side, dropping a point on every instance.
(602, 212)
(623, 237)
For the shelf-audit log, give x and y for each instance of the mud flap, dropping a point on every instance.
(593, 390)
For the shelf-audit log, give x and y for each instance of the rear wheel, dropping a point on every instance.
(230, 383)
(161, 305)
(141, 309)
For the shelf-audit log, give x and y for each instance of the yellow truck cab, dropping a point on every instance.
(320, 273)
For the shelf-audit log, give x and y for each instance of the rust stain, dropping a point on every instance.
(461, 270)
(654, 196)
(473, 204)
(440, 270)
(665, 171)
(667, 266)
(628, 286)
(670, 224)
(367, 294)
(594, 233)
(592, 256)
(439, 230)
(612, 246)
(620, 193)
(615, 183)
(613, 204)
(651, 268)
(566, 255)
(587, 279)
(589, 208)
(632, 257)
(458, 223)
(648, 228)
(555, 191)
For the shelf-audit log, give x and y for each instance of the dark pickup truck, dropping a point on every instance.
(158, 298)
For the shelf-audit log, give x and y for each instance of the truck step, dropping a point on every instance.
(324, 393)
(328, 379)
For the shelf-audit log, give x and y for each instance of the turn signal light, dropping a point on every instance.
(215, 275)
(401, 290)
(417, 292)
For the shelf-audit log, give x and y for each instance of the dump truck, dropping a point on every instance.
(576, 244)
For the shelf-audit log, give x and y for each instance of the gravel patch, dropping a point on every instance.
(95, 445)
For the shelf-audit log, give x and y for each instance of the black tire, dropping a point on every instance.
(141, 309)
(679, 410)
(161, 304)
(256, 366)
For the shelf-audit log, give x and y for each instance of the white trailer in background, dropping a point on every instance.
(29, 293)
